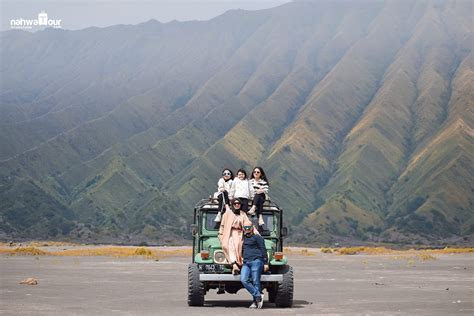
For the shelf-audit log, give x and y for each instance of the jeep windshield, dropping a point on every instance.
(268, 217)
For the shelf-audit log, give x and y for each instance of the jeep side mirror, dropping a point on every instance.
(284, 231)
(194, 229)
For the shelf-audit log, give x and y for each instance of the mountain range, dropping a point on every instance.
(360, 112)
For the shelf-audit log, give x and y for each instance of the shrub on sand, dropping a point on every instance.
(326, 250)
(26, 251)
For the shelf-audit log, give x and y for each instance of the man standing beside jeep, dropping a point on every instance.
(255, 260)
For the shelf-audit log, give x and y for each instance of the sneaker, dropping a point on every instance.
(261, 222)
(254, 305)
(252, 210)
(218, 217)
(260, 302)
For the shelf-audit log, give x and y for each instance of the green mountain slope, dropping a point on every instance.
(434, 194)
(360, 112)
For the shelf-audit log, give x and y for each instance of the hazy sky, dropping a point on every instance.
(78, 14)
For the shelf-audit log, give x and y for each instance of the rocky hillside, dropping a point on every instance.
(361, 112)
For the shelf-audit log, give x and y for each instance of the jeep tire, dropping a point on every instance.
(284, 291)
(195, 286)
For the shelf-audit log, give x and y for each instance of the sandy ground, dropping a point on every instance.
(325, 284)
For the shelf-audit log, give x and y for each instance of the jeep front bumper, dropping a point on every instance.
(236, 278)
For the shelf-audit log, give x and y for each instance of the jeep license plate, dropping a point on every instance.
(211, 268)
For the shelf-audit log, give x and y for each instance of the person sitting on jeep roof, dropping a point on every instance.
(259, 182)
(241, 189)
(222, 194)
(255, 260)
(230, 235)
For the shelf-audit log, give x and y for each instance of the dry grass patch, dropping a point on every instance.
(448, 250)
(296, 251)
(25, 251)
(110, 251)
(50, 244)
(384, 251)
(327, 250)
(117, 252)
(425, 256)
(37, 243)
(142, 252)
(363, 250)
(349, 250)
(176, 252)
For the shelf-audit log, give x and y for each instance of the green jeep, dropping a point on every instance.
(210, 270)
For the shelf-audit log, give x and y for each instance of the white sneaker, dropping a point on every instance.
(252, 210)
(218, 217)
(260, 302)
(261, 222)
(254, 305)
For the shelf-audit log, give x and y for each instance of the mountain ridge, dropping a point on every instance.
(361, 114)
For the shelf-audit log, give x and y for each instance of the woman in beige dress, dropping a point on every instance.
(230, 235)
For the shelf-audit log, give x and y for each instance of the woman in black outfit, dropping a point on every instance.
(259, 183)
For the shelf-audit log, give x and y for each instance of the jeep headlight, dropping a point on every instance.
(219, 257)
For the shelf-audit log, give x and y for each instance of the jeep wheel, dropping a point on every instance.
(284, 292)
(195, 287)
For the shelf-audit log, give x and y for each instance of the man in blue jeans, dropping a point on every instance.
(255, 260)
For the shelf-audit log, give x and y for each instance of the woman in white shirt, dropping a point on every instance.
(241, 189)
(223, 187)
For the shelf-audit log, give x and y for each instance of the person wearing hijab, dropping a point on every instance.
(230, 235)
